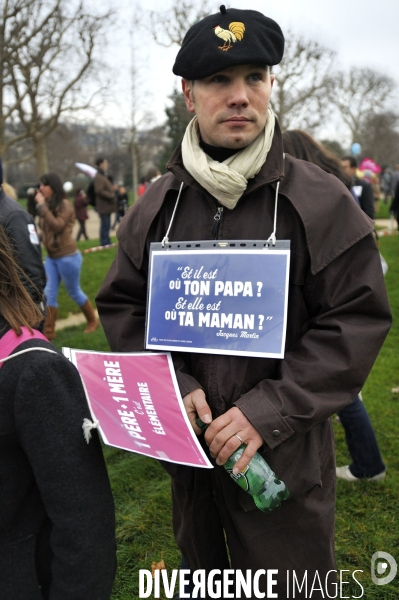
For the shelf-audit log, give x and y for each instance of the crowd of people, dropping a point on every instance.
(234, 176)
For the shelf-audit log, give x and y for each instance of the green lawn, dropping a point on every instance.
(383, 209)
(95, 266)
(367, 512)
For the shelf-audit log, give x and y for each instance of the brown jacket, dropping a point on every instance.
(56, 230)
(338, 313)
(105, 196)
(338, 317)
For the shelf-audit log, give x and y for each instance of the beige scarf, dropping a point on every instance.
(226, 181)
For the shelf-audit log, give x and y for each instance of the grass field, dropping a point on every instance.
(367, 512)
(383, 209)
(95, 265)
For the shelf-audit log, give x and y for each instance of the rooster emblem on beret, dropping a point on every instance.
(234, 33)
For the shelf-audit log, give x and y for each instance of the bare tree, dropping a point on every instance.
(134, 87)
(169, 27)
(48, 67)
(13, 35)
(301, 81)
(177, 120)
(379, 138)
(360, 93)
(140, 105)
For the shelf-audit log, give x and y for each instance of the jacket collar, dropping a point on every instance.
(322, 204)
(272, 170)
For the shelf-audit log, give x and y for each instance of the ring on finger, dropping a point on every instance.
(236, 434)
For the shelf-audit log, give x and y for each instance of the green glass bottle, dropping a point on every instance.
(267, 490)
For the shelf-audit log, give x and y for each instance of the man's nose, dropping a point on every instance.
(238, 94)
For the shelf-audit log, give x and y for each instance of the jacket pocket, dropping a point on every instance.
(299, 462)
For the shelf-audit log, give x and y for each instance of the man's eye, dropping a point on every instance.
(219, 79)
(255, 77)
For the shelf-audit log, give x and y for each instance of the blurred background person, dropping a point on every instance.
(363, 188)
(57, 523)
(142, 187)
(105, 199)
(30, 202)
(376, 187)
(394, 180)
(385, 184)
(20, 229)
(122, 204)
(362, 444)
(394, 208)
(152, 175)
(80, 203)
(64, 261)
(300, 144)
(9, 191)
(115, 187)
(123, 200)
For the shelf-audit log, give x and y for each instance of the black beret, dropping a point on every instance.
(230, 37)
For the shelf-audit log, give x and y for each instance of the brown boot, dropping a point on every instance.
(92, 321)
(49, 322)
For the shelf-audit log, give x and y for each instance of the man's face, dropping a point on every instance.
(104, 165)
(346, 165)
(231, 105)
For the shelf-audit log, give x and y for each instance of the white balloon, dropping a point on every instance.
(68, 186)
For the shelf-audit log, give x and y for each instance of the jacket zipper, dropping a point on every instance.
(216, 222)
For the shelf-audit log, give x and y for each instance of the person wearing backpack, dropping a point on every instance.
(57, 518)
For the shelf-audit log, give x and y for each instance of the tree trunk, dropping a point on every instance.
(135, 169)
(40, 154)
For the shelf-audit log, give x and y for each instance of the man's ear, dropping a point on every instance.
(271, 80)
(187, 88)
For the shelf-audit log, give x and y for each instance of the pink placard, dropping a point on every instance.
(370, 165)
(136, 400)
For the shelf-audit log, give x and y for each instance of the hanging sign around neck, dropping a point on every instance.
(218, 297)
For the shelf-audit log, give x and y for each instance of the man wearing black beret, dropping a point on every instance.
(235, 183)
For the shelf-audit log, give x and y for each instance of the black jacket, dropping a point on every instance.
(366, 197)
(395, 201)
(56, 509)
(21, 232)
